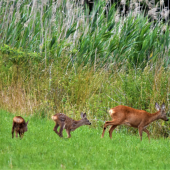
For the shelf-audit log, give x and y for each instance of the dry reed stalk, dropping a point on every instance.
(54, 8)
(136, 9)
(153, 14)
(162, 3)
(117, 16)
(165, 14)
(17, 15)
(5, 20)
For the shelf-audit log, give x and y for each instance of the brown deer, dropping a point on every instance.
(67, 123)
(19, 126)
(135, 118)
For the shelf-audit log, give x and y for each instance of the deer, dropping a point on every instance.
(124, 115)
(19, 126)
(68, 124)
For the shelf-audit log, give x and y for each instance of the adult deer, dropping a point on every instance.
(19, 126)
(67, 123)
(135, 118)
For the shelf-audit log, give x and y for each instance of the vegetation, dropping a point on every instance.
(41, 148)
(55, 57)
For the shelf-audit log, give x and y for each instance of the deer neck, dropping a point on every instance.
(154, 116)
(76, 124)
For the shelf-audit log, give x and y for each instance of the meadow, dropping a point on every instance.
(56, 56)
(41, 148)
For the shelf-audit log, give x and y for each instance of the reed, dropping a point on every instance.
(55, 57)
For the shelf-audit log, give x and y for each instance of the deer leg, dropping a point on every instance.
(140, 128)
(21, 135)
(68, 133)
(61, 130)
(103, 130)
(111, 130)
(146, 130)
(16, 134)
(113, 123)
(13, 131)
(55, 128)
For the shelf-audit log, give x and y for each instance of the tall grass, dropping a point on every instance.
(55, 57)
(57, 28)
(65, 90)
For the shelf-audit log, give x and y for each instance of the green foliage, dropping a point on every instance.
(34, 89)
(13, 56)
(98, 39)
(54, 58)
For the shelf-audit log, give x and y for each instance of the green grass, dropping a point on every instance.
(41, 148)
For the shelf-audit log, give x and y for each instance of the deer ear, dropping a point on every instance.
(27, 122)
(163, 106)
(157, 106)
(82, 115)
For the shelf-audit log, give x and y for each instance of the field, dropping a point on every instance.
(57, 56)
(41, 148)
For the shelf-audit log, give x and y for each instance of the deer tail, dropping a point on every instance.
(54, 117)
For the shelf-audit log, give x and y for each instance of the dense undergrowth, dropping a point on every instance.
(57, 88)
(54, 57)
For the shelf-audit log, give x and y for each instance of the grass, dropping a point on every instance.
(41, 148)
(55, 58)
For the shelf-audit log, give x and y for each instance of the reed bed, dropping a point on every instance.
(56, 57)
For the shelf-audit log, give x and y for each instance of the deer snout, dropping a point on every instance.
(165, 119)
(88, 123)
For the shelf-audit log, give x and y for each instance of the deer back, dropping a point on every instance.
(18, 119)
(19, 124)
(70, 123)
(61, 118)
(129, 116)
(133, 117)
